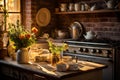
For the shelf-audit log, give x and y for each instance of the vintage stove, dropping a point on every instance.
(101, 51)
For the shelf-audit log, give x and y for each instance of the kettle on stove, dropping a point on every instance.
(76, 30)
(90, 35)
(109, 4)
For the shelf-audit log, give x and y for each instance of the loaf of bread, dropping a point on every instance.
(61, 66)
(73, 66)
(40, 58)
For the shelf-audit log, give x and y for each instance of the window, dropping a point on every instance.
(10, 8)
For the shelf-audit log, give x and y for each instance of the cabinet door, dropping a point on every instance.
(25, 76)
(4, 70)
(38, 77)
(14, 73)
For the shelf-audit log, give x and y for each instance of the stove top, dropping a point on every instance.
(100, 42)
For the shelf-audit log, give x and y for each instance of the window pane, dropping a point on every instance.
(1, 2)
(13, 5)
(1, 21)
(1, 17)
(13, 17)
(1, 5)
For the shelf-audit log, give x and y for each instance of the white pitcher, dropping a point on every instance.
(90, 35)
(109, 4)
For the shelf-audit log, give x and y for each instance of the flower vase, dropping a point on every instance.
(22, 56)
(55, 58)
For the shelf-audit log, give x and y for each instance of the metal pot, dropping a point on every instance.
(61, 34)
(76, 30)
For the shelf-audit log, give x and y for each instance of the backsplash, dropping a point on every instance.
(105, 25)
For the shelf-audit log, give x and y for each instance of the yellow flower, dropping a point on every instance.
(65, 46)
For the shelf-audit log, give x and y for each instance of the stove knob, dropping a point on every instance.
(74, 51)
(98, 51)
(92, 50)
(67, 50)
(85, 50)
(108, 53)
(81, 49)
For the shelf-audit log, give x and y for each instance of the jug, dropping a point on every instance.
(109, 4)
(75, 30)
(93, 7)
(90, 35)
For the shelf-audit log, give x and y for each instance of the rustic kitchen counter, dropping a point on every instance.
(44, 71)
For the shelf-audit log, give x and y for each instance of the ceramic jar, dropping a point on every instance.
(22, 55)
(63, 7)
(71, 6)
(77, 6)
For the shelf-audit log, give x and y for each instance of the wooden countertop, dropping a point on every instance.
(47, 69)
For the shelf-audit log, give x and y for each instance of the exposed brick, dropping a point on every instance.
(104, 24)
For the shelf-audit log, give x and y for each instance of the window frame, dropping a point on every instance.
(5, 12)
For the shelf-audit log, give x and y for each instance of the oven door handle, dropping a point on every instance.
(93, 57)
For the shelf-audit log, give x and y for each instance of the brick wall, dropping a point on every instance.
(26, 13)
(106, 25)
(30, 9)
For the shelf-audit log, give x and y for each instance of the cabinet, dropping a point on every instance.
(11, 70)
(12, 73)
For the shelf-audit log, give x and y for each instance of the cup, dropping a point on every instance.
(63, 7)
(71, 7)
(77, 7)
(56, 9)
(110, 4)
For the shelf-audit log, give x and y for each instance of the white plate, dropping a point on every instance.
(43, 17)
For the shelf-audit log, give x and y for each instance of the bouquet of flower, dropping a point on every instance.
(21, 37)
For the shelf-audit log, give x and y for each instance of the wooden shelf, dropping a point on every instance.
(95, 11)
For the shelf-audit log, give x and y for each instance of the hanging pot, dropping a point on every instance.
(22, 55)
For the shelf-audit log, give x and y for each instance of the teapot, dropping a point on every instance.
(61, 34)
(109, 4)
(90, 35)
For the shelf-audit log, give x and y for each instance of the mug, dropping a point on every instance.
(71, 7)
(77, 7)
(63, 7)
(109, 4)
